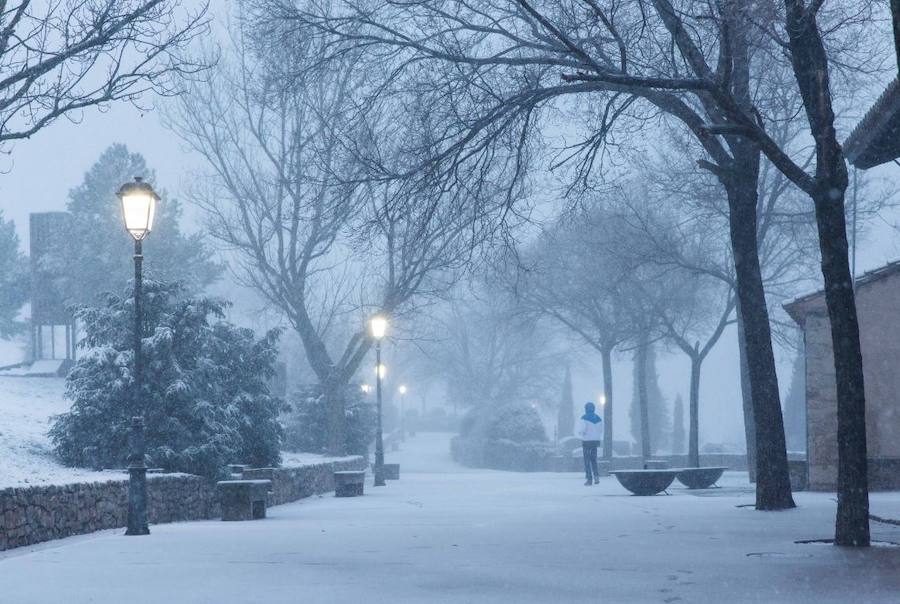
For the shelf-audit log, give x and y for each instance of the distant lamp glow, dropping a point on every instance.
(378, 326)
(602, 400)
(402, 389)
(366, 388)
(138, 207)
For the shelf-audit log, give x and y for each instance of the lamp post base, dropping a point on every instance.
(137, 482)
(137, 502)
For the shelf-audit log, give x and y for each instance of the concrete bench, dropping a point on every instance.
(349, 483)
(260, 474)
(243, 499)
(391, 471)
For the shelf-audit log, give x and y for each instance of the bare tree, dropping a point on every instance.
(490, 351)
(570, 275)
(493, 69)
(60, 58)
(287, 194)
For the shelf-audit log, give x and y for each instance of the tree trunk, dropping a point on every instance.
(694, 430)
(773, 485)
(333, 394)
(746, 399)
(852, 524)
(643, 404)
(810, 63)
(606, 354)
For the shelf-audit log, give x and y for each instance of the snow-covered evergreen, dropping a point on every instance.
(205, 396)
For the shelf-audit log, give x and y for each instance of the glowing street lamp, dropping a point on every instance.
(402, 391)
(138, 201)
(378, 329)
(366, 388)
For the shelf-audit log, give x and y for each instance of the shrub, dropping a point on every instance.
(517, 422)
(307, 425)
(508, 437)
(205, 396)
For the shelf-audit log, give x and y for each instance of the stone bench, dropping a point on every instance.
(260, 474)
(349, 483)
(243, 499)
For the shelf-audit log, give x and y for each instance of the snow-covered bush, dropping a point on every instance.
(205, 396)
(506, 437)
(306, 427)
(518, 422)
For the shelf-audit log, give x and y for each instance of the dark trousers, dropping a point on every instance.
(589, 449)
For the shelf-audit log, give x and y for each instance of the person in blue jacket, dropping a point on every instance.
(590, 431)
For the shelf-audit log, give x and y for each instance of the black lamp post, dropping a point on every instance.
(139, 209)
(378, 328)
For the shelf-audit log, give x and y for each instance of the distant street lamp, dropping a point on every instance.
(378, 329)
(402, 391)
(138, 209)
(366, 388)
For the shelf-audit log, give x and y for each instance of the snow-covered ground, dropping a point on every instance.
(27, 406)
(26, 456)
(447, 534)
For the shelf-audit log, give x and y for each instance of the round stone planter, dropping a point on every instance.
(700, 478)
(645, 482)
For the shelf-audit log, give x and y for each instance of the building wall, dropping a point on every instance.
(878, 308)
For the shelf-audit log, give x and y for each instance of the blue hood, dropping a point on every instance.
(589, 414)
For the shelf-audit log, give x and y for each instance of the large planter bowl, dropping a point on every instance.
(645, 482)
(700, 478)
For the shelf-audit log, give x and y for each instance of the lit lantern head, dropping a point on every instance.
(138, 207)
(378, 326)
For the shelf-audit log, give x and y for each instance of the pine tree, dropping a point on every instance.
(678, 434)
(98, 259)
(205, 396)
(13, 279)
(656, 404)
(565, 419)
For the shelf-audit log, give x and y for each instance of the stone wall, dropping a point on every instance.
(291, 484)
(34, 514)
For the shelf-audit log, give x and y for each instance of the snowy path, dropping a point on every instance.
(447, 534)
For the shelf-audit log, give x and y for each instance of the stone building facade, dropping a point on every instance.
(878, 309)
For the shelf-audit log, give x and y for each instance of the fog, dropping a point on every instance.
(39, 173)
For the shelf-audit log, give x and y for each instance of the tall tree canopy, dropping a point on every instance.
(98, 258)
